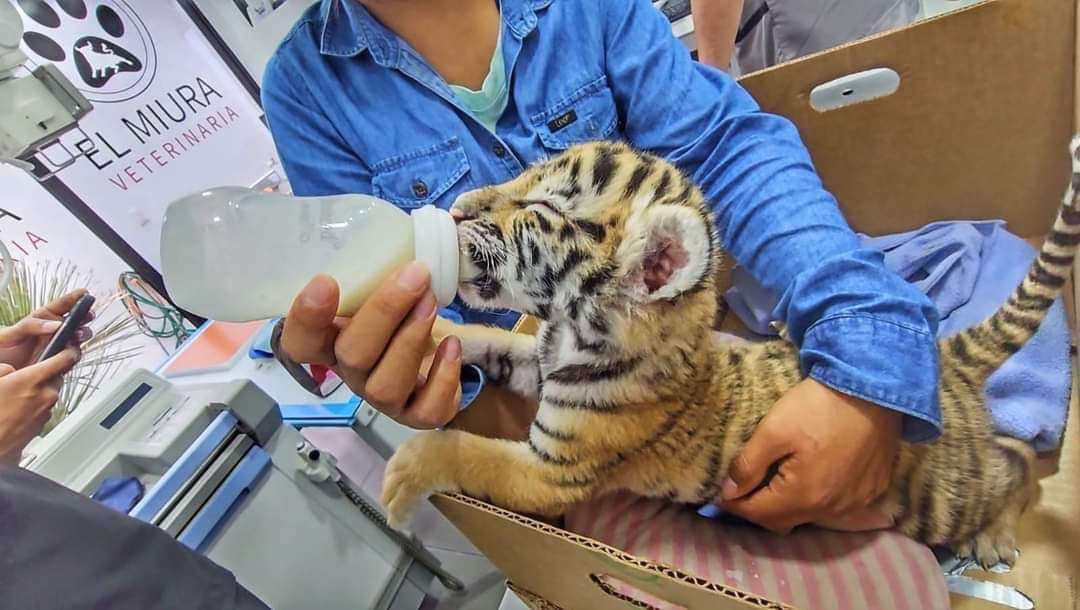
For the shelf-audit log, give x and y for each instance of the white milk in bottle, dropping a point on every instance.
(236, 254)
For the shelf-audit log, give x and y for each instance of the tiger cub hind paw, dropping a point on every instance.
(990, 550)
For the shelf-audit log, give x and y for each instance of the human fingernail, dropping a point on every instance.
(424, 309)
(452, 351)
(729, 489)
(318, 291)
(413, 276)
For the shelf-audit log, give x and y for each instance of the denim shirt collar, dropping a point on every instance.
(349, 29)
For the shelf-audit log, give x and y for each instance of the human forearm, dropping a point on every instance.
(715, 25)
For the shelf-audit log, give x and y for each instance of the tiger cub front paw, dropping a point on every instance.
(420, 467)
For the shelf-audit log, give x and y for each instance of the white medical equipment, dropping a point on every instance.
(682, 22)
(36, 108)
(225, 477)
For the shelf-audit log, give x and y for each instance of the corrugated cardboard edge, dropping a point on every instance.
(1076, 73)
(533, 601)
(1076, 129)
(507, 538)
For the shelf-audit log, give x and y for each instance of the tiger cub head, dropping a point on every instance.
(600, 228)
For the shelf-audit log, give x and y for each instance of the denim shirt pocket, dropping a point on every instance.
(587, 114)
(422, 176)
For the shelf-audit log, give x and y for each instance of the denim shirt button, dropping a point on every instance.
(419, 188)
(499, 150)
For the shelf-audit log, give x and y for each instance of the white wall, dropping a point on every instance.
(253, 45)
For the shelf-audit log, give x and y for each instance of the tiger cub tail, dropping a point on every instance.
(983, 348)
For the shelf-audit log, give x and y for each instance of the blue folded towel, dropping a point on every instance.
(968, 269)
(119, 493)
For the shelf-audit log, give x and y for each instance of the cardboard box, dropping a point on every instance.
(977, 129)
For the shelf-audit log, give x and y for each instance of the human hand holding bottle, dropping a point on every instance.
(384, 352)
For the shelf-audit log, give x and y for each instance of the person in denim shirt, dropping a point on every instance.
(359, 98)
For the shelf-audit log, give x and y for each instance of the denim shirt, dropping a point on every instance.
(354, 109)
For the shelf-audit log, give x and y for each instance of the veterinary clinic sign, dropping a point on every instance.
(36, 229)
(23, 241)
(169, 118)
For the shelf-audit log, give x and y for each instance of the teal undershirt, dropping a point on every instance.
(487, 104)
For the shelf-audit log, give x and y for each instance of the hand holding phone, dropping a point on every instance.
(75, 318)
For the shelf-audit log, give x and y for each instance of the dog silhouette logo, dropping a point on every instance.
(103, 46)
(98, 61)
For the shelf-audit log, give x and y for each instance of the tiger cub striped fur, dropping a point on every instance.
(615, 251)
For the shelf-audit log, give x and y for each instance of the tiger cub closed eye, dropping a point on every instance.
(615, 251)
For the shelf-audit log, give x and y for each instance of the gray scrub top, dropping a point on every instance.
(775, 31)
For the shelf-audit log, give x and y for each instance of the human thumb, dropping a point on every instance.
(55, 367)
(27, 328)
(39, 327)
(6, 369)
(752, 463)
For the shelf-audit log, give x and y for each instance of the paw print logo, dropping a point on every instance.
(103, 46)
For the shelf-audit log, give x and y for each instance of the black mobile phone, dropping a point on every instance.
(75, 318)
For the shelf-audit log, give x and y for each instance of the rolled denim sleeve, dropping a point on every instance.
(861, 329)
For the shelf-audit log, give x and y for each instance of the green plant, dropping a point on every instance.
(103, 355)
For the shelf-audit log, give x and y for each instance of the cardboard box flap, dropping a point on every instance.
(580, 572)
(978, 128)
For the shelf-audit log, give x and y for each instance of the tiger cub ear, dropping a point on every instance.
(667, 251)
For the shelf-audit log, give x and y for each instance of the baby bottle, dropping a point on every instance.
(236, 254)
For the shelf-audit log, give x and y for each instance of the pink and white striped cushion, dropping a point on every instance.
(809, 569)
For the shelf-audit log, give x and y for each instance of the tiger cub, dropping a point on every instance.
(615, 251)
